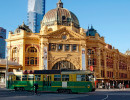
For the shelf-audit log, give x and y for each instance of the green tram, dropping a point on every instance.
(68, 81)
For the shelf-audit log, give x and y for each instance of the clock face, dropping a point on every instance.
(64, 37)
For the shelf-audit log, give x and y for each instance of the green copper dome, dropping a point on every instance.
(91, 32)
(61, 16)
(23, 27)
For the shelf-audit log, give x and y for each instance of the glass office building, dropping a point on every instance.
(36, 11)
(2, 42)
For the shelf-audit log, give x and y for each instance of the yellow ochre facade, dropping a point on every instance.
(62, 43)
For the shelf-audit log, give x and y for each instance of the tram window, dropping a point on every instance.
(18, 77)
(30, 77)
(87, 78)
(24, 77)
(57, 77)
(65, 77)
(37, 77)
(90, 77)
(80, 77)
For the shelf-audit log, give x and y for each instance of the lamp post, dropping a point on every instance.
(6, 73)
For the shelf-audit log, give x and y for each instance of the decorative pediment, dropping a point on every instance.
(65, 34)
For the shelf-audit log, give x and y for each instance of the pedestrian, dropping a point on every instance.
(123, 86)
(109, 85)
(36, 87)
(120, 86)
(113, 85)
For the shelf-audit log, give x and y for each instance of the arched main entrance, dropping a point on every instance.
(63, 64)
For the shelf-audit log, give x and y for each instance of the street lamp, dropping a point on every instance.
(6, 74)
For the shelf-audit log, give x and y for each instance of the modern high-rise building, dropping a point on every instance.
(2, 42)
(36, 11)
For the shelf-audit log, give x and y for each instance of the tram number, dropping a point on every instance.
(88, 86)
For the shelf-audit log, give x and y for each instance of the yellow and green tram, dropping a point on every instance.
(54, 80)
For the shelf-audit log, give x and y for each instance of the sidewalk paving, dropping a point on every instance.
(126, 89)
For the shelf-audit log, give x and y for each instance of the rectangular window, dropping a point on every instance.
(31, 60)
(37, 77)
(49, 46)
(18, 77)
(80, 77)
(57, 77)
(30, 77)
(65, 77)
(27, 60)
(67, 47)
(24, 77)
(87, 78)
(53, 47)
(60, 47)
(89, 51)
(74, 47)
(35, 60)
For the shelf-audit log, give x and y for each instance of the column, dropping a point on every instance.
(70, 47)
(63, 47)
(41, 56)
(105, 65)
(56, 47)
(98, 63)
(77, 47)
(114, 66)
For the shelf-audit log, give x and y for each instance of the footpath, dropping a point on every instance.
(126, 89)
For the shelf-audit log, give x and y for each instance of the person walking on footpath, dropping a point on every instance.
(113, 85)
(120, 86)
(109, 85)
(36, 87)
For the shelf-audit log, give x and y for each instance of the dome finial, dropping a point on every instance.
(60, 4)
(23, 23)
(92, 26)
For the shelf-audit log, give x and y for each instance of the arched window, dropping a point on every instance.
(32, 49)
(63, 65)
(31, 58)
(15, 54)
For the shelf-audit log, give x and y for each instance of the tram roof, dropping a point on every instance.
(62, 71)
(77, 72)
(47, 71)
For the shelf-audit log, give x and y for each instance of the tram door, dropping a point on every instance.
(10, 82)
(47, 83)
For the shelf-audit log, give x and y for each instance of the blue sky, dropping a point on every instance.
(111, 18)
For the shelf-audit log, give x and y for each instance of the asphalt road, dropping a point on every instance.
(97, 95)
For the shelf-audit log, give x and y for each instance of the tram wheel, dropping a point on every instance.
(15, 88)
(69, 91)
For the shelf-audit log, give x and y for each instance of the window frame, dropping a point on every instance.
(24, 77)
(29, 79)
(38, 78)
(57, 78)
(66, 78)
(67, 47)
(17, 77)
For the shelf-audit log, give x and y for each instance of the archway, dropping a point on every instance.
(63, 65)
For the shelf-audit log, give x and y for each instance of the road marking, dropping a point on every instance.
(105, 98)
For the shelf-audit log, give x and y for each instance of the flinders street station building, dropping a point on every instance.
(62, 44)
